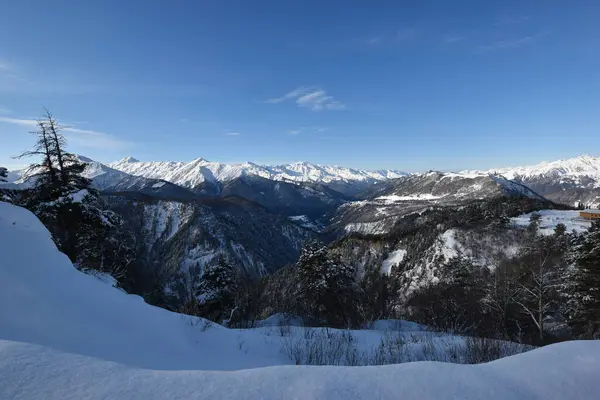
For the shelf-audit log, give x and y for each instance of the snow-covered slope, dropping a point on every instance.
(446, 186)
(67, 335)
(386, 203)
(111, 180)
(44, 300)
(568, 181)
(560, 371)
(194, 173)
(577, 167)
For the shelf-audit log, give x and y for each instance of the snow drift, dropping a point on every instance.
(64, 334)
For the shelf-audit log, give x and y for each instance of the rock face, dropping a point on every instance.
(177, 236)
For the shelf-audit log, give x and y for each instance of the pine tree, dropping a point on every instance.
(71, 209)
(560, 229)
(585, 288)
(534, 223)
(69, 166)
(216, 291)
(218, 280)
(326, 287)
(43, 172)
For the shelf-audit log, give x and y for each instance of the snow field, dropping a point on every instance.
(68, 335)
(551, 218)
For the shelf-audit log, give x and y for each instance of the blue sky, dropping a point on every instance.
(412, 85)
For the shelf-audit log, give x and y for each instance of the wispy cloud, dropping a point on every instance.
(314, 99)
(307, 129)
(81, 137)
(512, 43)
(232, 133)
(18, 121)
(290, 95)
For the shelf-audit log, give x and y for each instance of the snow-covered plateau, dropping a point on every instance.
(550, 218)
(68, 335)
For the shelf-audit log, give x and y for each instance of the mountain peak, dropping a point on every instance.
(129, 159)
(84, 159)
(587, 158)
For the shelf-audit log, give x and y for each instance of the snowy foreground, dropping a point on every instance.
(68, 335)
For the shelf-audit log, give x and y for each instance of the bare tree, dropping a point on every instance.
(540, 267)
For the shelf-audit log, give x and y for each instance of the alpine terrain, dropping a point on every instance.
(394, 233)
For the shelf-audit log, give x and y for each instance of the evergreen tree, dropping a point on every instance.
(3, 174)
(560, 229)
(326, 287)
(534, 223)
(585, 289)
(63, 199)
(216, 290)
(218, 280)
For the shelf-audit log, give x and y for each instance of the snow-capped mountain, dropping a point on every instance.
(446, 186)
(581, 166)
(385, 204)
(110, 180)
(199, 172)
(568, 181)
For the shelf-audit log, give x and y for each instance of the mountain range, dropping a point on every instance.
(202, 175)
(568, 181)
(186, 215)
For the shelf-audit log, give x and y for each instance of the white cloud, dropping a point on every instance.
(314, 99)
(232, 133)
(17, 121)
(81, 137)
(293, 94)
(512, 43)
(307, 129)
